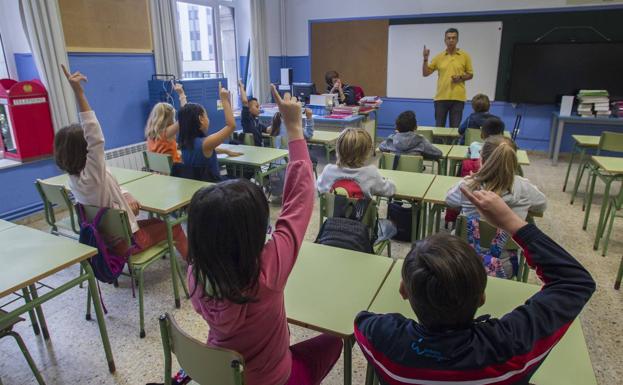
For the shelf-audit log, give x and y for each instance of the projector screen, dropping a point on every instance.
(541, 73)
(481, 40)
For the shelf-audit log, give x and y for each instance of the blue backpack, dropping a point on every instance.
(107, 266)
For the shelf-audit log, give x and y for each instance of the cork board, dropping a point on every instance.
(356, 49)
(106, 25)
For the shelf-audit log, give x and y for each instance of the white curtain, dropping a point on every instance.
(165, 32)
(43, 27)
(259, 51)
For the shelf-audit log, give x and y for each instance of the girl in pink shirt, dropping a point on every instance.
(237, 279)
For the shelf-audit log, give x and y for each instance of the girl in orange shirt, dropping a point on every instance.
(161, 128)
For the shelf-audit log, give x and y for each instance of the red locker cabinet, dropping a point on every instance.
(25, 120)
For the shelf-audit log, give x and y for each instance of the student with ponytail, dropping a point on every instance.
(497, 174)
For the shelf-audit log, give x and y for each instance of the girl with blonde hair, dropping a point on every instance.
(161, 128)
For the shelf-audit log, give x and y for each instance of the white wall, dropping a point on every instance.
(13, 36)
(299, 12)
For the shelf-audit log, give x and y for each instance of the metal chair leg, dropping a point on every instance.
(27, 356)
(40, 316)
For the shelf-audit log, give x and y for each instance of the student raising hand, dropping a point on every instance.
(494, 210)
(290, 114)
(75, 81)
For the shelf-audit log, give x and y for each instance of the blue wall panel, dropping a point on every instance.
(26, 67)
(117, 90)
(18, 196)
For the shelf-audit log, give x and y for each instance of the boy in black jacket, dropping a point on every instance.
(444, 281)
(249, 117)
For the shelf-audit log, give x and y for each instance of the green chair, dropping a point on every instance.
(248, 140)
(428, 134)
(609, 141)
(410, 163)
(472, 135)
(487, 233)
(615, 205)
(580, 146)
(370, 218)
(206, 365)
(159, 163)
(8, 331)
(58, 196)
(115, 225)
(617, 282)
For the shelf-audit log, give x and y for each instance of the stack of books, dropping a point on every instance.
(371, 101)
(593, 103)
(345, 110)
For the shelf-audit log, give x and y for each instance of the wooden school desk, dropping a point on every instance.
(558, 128)
(610, 170)
(123, 176)
(324, 123)
(164, 195)
(28, 255)
(442, 163)
(433, 203)
(581, 144)
(4, 225)
(568, 363)
(449, 135)
(328, 286)
(410, 186)
(255, 158)
(325, 139)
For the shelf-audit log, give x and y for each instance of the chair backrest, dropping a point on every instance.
(487, 233)
(56, 195)
(114, 224)
(411, 163)
(611, 141)
(248, 140)
(472, 135)
(156, 162)
(428, 134)
(516, 128)
(327, 204)
(204, 364)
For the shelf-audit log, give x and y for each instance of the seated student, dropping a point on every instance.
(346, 94)
(444, 282)
(497, 174)
(198, 148)
(480, 105)
(249, 117)
(490, 126)
(161, 128)
(353, 149)
(407, 141)
(237, 278)
(79, 151)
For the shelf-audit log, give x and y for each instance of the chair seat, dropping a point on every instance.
(65, 224)
(146, 256)
(8, 327)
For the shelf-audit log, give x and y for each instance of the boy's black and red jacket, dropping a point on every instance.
(492, 351)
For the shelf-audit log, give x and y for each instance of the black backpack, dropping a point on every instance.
(400, 213)
(345, 229)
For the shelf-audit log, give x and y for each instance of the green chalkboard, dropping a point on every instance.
(526, 27)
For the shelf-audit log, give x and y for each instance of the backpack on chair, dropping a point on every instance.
(344, 228)
(106, 265)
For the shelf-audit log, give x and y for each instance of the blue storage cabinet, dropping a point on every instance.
(201, 91)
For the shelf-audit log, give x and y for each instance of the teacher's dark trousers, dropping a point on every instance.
(443, 108)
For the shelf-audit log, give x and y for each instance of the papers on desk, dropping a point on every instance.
(593, 102)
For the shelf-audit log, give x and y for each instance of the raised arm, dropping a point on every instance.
(298, 199)
(212, 141)
(529, 331)
(426, 70)
(243, 94)
(95, 165)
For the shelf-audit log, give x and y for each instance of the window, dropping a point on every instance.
(4, 71)
(208, 40)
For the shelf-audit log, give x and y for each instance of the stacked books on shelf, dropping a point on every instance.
(345, 110)
(593, 103)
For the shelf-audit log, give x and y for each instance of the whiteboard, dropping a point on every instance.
(481, 40)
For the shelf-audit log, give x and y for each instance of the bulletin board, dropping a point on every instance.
(356, 49)
(106, 25)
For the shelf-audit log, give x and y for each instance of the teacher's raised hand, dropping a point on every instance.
(426, 53)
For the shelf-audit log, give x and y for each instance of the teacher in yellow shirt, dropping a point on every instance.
(454, 67)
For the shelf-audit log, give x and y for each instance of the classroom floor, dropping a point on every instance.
(74, 354)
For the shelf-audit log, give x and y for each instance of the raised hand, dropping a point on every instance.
(75, 80)
(426, 53)
(223, 93)
(494, 210)
(308, 113)
(178, 88)
(290, 114)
